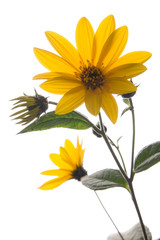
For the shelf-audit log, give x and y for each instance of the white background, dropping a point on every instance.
(72, 211)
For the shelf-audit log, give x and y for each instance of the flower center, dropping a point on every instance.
(79, 173)
(91, 77)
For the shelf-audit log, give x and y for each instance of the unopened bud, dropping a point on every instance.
(128, 95)
(97, 134)
(31, 107)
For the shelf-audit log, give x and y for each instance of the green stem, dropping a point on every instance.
(110, 148)
(129, 180)
(109, 216)
(53, 103)
(117, 147)
(122, 160)
(133, 139)
(137, 209)
(132, 171)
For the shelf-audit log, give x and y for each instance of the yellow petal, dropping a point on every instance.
(113, 47)
(93, 101)
(106, 27)
(109, 106)
(84, 39)
(76, 154)
(64, 48)
(119, 86)
(53, 62)
(81, 157)
(57, 160)
(71, 150)
(60, 84)
(66, 157)
(126, 71)
(71, 100)
(133, 57)
(80, 153)
(54, 183)
(55, 75)
(56, 172)
(47, 75)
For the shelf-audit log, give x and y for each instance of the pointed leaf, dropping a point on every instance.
(50, 120)
(105, 179)
(126, 101)
(119, 139)
(147, 157)
(125, 110)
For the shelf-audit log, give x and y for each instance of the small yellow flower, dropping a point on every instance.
(32, 107)
(94, 71)
(70, 163)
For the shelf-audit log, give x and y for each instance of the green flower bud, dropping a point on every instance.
(32, 107)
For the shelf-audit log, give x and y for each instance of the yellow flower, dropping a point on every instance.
(70, 163)
(31, 107)
(93, 72)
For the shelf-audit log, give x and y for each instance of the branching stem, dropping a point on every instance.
(110, 148)
(118, 150)
(129, 180)
(123, 171)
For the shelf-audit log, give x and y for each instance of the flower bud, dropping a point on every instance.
(128, 95)
(31, 107)
(97, 134)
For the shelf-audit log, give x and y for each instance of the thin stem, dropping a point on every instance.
(110, 148)
(129, 180)
(122, 159)
(117, 147)
(133, 138)
(132, 172)
(109, 216)
(50, 102)
(138, 211)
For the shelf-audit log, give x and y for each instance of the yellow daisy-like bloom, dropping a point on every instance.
(70, 163)
(94, 71)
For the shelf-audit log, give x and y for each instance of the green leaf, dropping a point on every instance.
(147, 157)
(126, 101)
(105, 179)
(125, 110)
(118, 139)
(71, 120)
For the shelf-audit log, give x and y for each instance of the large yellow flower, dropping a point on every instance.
(70, 163)
(93, 72)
